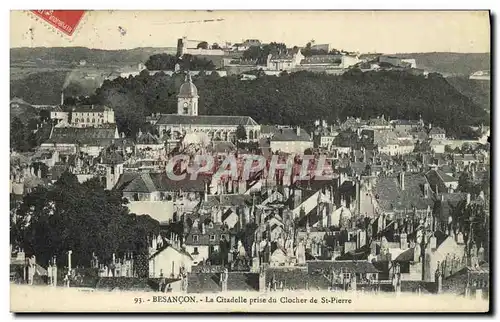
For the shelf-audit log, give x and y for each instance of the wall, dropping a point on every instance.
(202, 253)
(91, 150)
(84, 177)
(163, 211)
(292, 147)
(206, 52)
(162, 263)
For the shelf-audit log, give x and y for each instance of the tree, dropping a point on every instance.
(83, 218)
(202, 45)
(216, 46)
(297, 99)
(241, 133)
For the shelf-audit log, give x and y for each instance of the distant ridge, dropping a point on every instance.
(76, 54)
(450, 63)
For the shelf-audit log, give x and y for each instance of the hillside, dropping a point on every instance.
(92, 56)
(449, 64)
(477, 90)
(299, 98)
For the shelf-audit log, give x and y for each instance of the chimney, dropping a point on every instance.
(298, 130)
(62, 98)
(402, 180)
(358, 196)
(439, 279)
(403, 241)
(426, 190)
(468, 199)
(203, 228)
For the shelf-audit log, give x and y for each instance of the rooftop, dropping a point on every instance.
(215, 120)
(287, 134)
(391, 197)
(83, 135)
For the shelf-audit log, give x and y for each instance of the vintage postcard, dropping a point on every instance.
(250, 161)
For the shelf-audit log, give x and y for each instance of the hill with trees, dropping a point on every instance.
(298, 98)
(478, 90)
(76, 54)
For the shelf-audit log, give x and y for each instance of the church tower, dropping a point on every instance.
(187, 100)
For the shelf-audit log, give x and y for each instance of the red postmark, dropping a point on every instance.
(65, 21)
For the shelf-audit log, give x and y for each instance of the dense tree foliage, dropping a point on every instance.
(299, 98)
(22, 137)
(202, 45)
(83, 218)
(261, 53)
(186, 62)
(308, 51)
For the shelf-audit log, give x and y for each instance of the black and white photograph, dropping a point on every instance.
(250, 161)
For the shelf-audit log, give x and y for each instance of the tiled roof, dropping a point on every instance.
(84, 135)
(290, 135)
(147, 138)
(379, 121)
(415, 286)
(112, 157)
(239, 281)
(349, 265)
(149, 182)
(405, 122)
(436, 130)
(456, 283)
(383, 138)
(390, 196)
(125, 283)
(90, 109)
(296, 279)
(322, 59)
(439, 178)
(406, 256)
(213, 120)
(203, 283)
(228, 200)
(179, 250)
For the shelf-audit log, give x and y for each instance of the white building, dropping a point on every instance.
(170, 262)
(83, 116)
(291, 141)
(284, 62)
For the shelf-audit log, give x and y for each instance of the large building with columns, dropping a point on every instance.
(218, 127)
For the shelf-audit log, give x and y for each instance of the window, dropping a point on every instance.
(196, 238)
(223, 237)
(93, 120)
(195, 250)
(212, 237)
(346, 276)
(185, 110)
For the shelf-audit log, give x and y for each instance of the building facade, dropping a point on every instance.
(217, 127)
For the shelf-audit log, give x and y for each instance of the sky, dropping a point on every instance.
(362, 31)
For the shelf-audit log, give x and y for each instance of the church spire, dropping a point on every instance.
(188, 77)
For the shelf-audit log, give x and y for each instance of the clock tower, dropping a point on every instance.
(187, 100)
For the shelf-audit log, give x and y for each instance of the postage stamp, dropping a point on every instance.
(65, 21)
